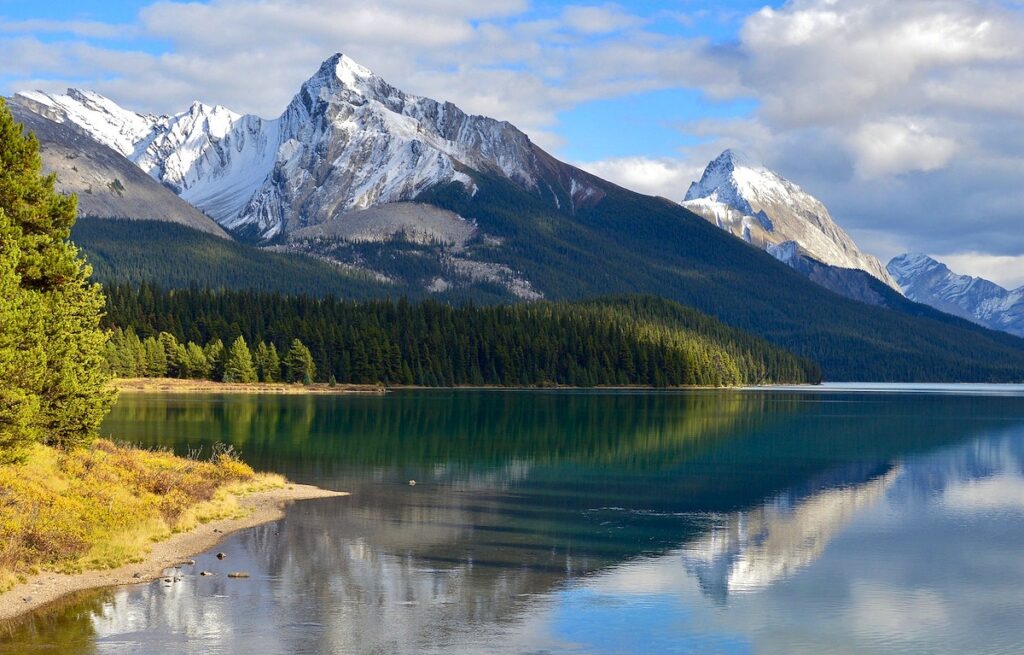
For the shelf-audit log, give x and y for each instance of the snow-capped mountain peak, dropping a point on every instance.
(726, 179)
(751, 201)
(350, 73)
(913, 264)
(348, 140)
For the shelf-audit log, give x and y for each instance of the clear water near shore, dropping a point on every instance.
(838, 520)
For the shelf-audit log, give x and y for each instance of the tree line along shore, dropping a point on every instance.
(240, 336)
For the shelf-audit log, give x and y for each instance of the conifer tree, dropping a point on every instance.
(299, 363)
(70, 393)
(273, 368)
(156, 358)
(173, 353)
(238, 366)
(22, 357)
(215, 355)
(266, 370)
(197, 365)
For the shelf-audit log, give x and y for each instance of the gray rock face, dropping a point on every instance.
(107, 184)
(930, 282)
(414, 222)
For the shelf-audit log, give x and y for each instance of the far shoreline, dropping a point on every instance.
(47, 588)
(185, 386)
(178, 385)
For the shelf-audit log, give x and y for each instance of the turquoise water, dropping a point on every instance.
(851, 520)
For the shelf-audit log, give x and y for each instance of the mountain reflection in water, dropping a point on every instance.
(594, 522)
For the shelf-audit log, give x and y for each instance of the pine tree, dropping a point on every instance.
(71, 392)
(238, 366)
(299, 363)
(22, 358)
(196, 364)
(268, 365)
(273, 368)
(156, 358)
(215, 355)
(173, 353)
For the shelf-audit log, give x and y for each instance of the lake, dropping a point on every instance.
(834, 520)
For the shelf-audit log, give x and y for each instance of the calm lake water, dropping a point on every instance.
(826, 521)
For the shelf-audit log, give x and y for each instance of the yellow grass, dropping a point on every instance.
(103, 506)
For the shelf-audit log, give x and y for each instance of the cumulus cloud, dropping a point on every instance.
(1007, 271)
(657, 177)
(894, 147)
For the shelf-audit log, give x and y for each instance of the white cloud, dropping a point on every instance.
(1007, 271)
(657, 177)
(83, 28)
(895, 147)
(598, 20)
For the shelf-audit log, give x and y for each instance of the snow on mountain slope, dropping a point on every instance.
(106, 183)
(928, 281)
(100, 117)
(212, 157)
(347, 141)
(765, 209)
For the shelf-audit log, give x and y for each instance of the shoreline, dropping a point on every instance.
(177, 385)
(47, 588)
(184, 386)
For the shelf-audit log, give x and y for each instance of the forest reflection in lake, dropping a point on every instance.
(705, 521)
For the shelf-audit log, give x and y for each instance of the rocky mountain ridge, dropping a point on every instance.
(765, 209)
(931, 282)
(347, 141)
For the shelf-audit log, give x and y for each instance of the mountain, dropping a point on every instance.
(760, 206)
(928, 281)
(347, 141)
(418, 196)
(106, 183)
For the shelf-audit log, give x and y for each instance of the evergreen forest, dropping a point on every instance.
(615, 341)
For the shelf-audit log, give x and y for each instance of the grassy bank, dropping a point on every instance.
(104, 506)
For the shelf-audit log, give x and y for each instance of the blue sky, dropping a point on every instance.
(903, 117)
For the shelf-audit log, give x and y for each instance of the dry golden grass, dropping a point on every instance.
(102, 506)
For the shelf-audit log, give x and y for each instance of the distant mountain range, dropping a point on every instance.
(928, 281)
(403, 195)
